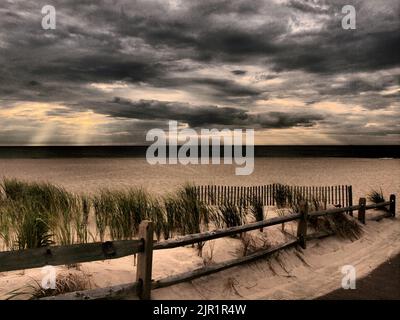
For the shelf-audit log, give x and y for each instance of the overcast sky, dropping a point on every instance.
(112, 70)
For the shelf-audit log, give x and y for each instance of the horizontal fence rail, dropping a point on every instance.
(347, 209)
(341, 195)
(377, 205)
(190, 275)
(333, 211)
(112, 292)
(210, 235)
(72, 254)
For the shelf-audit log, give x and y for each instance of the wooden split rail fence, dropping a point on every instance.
(341, 195)
(144, 247)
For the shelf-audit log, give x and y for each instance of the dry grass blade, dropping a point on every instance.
(376, 196)
(340, 224)
(40, 210)
(230, 286)
(230, 215)
(280, 195)
(257, 208)
(209, 258)
(70, 282)
(251, 244)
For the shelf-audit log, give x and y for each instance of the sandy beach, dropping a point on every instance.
(90, 175)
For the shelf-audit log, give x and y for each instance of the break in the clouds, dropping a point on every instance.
(114, 69)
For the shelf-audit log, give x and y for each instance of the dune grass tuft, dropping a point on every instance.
(185, 213)
(280, 195)
(156, 213)
(230, 215)
(81, 219)
(66, 283)
(340, 224)
(172, 222)
(29, 226)
(41, 213)
(376, 196)
(120, 212)
(257, 209)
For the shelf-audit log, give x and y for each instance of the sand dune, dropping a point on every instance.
(285, 277)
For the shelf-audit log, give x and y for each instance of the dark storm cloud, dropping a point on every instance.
(206, 49)
(308, 6)
(334, 52)
(357, 126)
(196, 116)
(222, 87)
(202, 36)
(280, 120)
(372, 46)
(101, 68)
(239, 72)
(352, 86)
(90, 42)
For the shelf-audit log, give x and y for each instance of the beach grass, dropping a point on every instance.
(185, 214)
(81, 219)
(257, 208)
(172, 223)
(376, 196)
(281, 193)
(65, 283)
(194, 214)
(6, 234)
(35, 214)
(27, 227)
(101, 205)
(231, 215)
(40, 210)
(340, 224)
(120, 212)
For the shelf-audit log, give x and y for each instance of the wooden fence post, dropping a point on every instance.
(392, 206)
(302, 225)
(145, 260)
(361, 211)
(350, 190)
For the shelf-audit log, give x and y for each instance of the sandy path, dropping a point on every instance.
(382, 283)
(299, 281)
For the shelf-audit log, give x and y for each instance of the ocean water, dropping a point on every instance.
(371, 151)
(91, 174)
